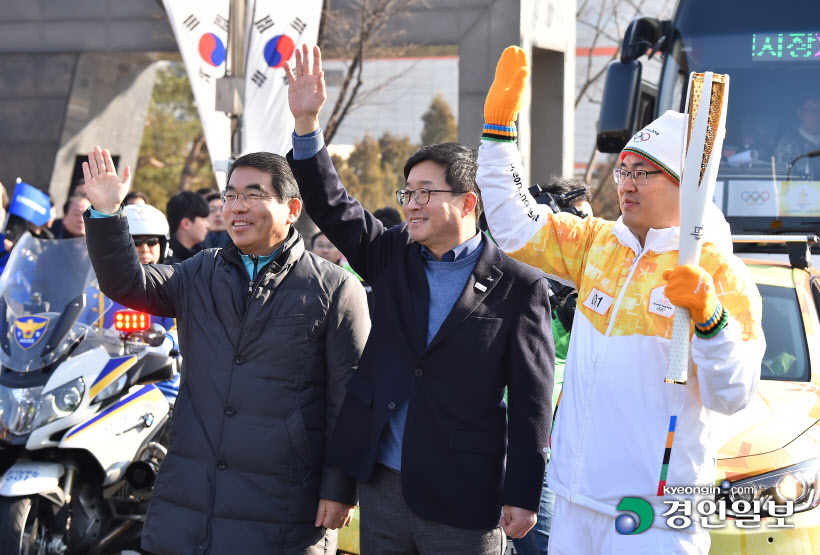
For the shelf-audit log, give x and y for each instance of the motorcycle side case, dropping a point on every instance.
(30, 478)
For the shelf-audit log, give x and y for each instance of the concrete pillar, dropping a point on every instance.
(545, 29)
(33, 93)
(107, 106)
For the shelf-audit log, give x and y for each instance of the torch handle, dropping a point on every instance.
(678, 369)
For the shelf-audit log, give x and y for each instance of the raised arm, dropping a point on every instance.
(350, 227)
(512, 213)
(151, 288)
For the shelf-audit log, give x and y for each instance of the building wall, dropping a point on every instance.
(410, 85)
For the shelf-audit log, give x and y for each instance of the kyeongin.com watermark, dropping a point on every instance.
(729, 503)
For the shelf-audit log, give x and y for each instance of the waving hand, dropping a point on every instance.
(306, 90)
(102, 186)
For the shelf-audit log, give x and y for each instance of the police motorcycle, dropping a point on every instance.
(81, 421)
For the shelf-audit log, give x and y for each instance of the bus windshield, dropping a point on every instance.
(770, 167)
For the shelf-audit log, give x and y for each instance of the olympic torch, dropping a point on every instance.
(703, 144)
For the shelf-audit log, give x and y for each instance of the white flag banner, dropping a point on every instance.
(276, 28)
(201, 30)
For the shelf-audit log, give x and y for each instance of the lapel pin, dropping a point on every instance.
(490, 279)
(481, 287)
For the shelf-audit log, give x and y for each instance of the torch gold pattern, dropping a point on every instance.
(695, 94)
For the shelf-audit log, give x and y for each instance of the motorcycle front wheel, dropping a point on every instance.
(20, 526)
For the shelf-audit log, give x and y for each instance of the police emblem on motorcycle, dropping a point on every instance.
(29, 330)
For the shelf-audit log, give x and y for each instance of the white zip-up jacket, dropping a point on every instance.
(620, 430)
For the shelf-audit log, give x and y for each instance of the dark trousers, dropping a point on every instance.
(389, 527)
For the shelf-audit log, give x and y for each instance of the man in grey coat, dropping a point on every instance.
(269, 335)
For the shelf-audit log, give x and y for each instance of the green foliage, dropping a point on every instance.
(374, 170)
(171, 136)
(439, 123)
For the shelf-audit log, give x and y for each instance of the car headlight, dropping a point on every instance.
(799, 483)
(60, 402)
(18, 407)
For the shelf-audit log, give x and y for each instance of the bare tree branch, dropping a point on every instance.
(190, 169)
(365, 36)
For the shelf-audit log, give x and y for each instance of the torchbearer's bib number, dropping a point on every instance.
(598, 302)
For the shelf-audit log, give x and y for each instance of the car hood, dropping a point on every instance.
(778, 413)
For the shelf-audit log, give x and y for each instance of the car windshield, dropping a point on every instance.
(786, 356)
(772, 56)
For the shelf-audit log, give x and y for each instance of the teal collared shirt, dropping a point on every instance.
(261, 261)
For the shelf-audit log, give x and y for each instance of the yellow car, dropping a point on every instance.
(771, 449)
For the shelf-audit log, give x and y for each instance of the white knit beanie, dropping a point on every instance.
(661, 144)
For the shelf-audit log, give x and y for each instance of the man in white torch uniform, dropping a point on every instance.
(623, 432)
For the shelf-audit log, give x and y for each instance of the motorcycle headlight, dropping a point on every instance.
(799, 483)
(18, 407)
(60, 402)
(112, 389)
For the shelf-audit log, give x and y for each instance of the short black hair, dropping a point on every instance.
(284, 184)
(213, 196)
(460, 163)
(135, 194)
(561, 185)
(315, 236)
(205, 191)
(388, 216)
(186, 204)
(71, 200)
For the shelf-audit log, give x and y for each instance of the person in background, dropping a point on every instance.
(388, 216)
(188, 218)
(802, 139)
(73, 225)
(217, 237)
(205, 191)
(150, 234)
(321, 245)
(6, 243)
(136, 197)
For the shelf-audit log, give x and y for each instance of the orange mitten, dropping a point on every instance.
(691, 287)
(505, 97)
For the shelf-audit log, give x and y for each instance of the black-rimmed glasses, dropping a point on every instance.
(150, 241)
(251, 198)
(638, 176)
(422, 196)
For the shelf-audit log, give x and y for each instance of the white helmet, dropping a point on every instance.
(144, 219)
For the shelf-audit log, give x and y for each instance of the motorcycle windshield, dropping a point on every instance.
(48, 299)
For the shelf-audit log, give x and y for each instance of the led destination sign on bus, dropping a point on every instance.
(768, 47)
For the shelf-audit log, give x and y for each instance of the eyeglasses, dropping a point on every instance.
(150, 241)
(638, 176)
(216, 209)
(251, 198)
(422, 196)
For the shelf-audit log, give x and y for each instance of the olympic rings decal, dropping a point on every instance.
(755, 197)
(641, 137)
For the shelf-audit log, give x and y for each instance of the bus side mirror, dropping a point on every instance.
(619, 105)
